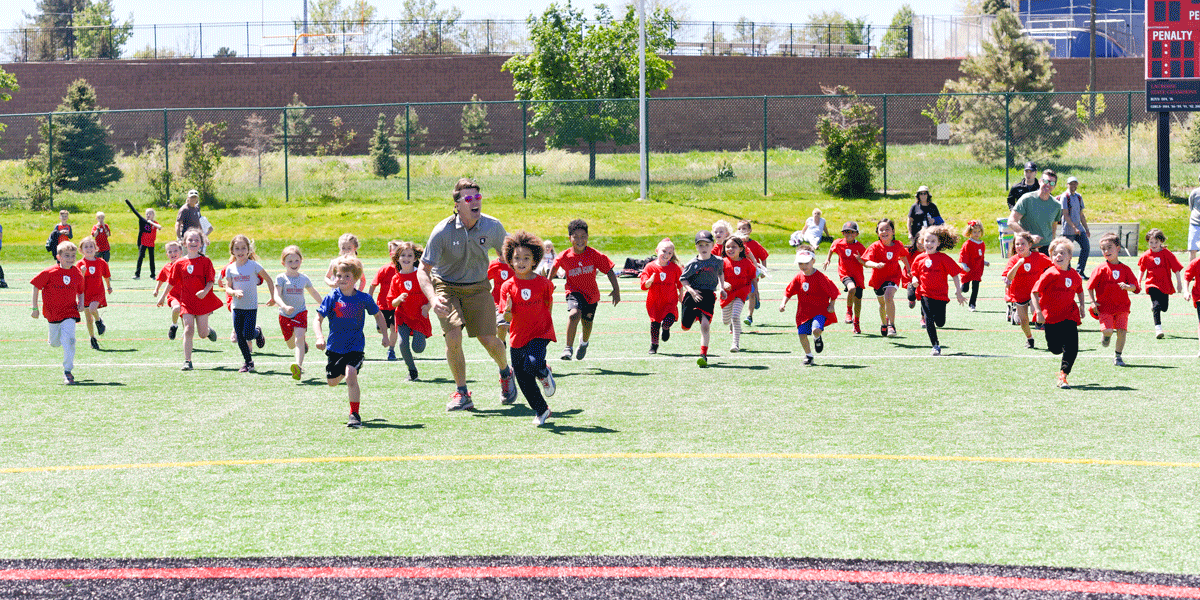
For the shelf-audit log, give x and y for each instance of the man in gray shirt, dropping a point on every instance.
(1038, 213)
(188, 216)
(453, 276)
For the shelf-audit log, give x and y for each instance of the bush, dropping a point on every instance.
(383, 158)
(850, 134)
(201, 157)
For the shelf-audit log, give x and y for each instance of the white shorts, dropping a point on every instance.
(1193, 238)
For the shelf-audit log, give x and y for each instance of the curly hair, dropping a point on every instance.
(947, 239)
(523, 239)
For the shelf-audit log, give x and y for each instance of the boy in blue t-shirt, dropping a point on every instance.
(345, 308)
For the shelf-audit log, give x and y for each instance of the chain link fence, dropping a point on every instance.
(738, 145)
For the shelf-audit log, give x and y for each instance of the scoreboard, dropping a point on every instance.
(1172, 73)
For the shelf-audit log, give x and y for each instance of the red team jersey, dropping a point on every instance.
(101, 233)
(1105, 283)
(1057, 291)
(1192, 274)
(60, 292)
(581, 271)
(662, 287)
(848, 253)
(931, 271)
(890, 256)
(383, 279)
(163, 276)
(1021, 286)
(739, 274)
(1158, 267)
(409, 312)
(147, 237)
(498, 273)
(972, 255)
(94, 271)
(530, 301)
(756, 250)
(813, 294)
(191, 275)
(62, 233)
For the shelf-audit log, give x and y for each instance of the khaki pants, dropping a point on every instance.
(470, 305)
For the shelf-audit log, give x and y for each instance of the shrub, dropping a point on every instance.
(850, 134)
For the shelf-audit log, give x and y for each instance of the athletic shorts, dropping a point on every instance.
(882, 290)
(693, 310)
(1111, 321)
(576, 301)
(288, 325)
(470, 306)
(806, 328)
(1193, 238)
(336, 365)
(389, 317)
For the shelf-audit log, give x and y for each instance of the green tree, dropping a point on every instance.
(202, 154)
(225, 52)
(339, 138)
(55, 20)
(1015, 71)
(579, 71)
(851, 135)
(329, 20)
(300, 133)
(8, 85)
(99, 35)
(895, 41)
(383, 157)
(993, 7)
(409, 133)
(834, 27)
(425, 29)
(476, 130)
(83, 160)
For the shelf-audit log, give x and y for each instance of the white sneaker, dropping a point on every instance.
(734, 348)
(547, 382)
(541, 419)
(1158, 332)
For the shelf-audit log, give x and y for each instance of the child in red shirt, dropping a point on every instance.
(1023, 270)
(101, 231)
(1157, 265)
(739, 274)
(815, 296)
(499, 272)
(412, 307)
(759, 255)
(148, 230)
(526, 299)
(62, 298)
(1062, 316)
(971, 259)
(62, 232)
(194, 275)
(931, 268)
(850, 270)
(661, 280)
(889, 260)
(96, 279)
(581, 263)
(1192, 274)
(383, 280)
(174, 251)
(1109, 288)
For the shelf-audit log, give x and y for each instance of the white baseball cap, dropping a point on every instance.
(804, 256)
(1072, 180)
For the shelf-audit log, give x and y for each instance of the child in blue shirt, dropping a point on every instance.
(346, 308)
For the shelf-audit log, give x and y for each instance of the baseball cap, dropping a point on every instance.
(1072, 180)
(850, 226)
(1031, 166)
(193, 193)
(804, 256)
(705, 236)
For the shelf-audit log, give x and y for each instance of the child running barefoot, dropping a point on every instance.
(739, 274)
(701, 278)
(816, 298)
(244, 275)
(62, 300)
(347, 247)
(850, 270)
(931, 268)
(1192, 274)
(889, 260)
(581, 263)
(1023, 270)
(174, 251)
(412, 307)
(971, 259)
(1109, 289)
(383, 280)
(290, 287)
(194, 275)
(660, 279)
(346, 308)
(526, 299)
(1157, 265)
(1062, 316)
(96, 279)
(759, 254)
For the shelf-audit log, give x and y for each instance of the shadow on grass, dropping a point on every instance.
(557, 429)
(764, 332)
(1136, 366)
(1091, 387)
(745, 351)
(839, 366)
(746, 367)
(118, 350)
(603, 371)
(90, 383)
(383, 424)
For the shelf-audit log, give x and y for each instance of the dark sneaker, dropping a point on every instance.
(68, 378)
(1117, 362)
(883, 331)
(212, 334)
(1029, 343)
(136, 277)
(666, 334)
(3, 284)
(857, 329)
(818, 345)
(259, 339)
(296, 371)
(808, 360)
(1105, 339)
(459, 402)
(187, 366)
(937, 351)
(172, 331)
(568, 354)
(391, 354)
(354, 422)
(541, 419)
(748, 321)
(547, 382)
(508, 388)
(653, 348)
(95, 344)
(100, 328)
(581, 352)
(247, 368)
(412, 375)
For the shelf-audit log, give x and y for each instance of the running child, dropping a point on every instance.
(850, 270)
(580, 262)
(701, 278)
(346, 308)
(721, 231)
(194, 275)
(931, 268)
(62, 300)
(383, 280)
(60, 233)
(1062, 316)
(548, 256)
(1192, 274)
(1109, 288)
(96, 279)
(526, 299)
(498, 272)
(1157, 264)
(148, 230)
(174, 251)
(290, 287)
(888, 259)
(660, 279)
(972, 260)
(100, 232)
(739, 274)
(816, 300)
(756, 251)
(1023, 270)
(244, 275)
(412, 307)
(347, 247)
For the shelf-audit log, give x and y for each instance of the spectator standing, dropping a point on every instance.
(189, 215)
(1029, 184)
(1194, 224)
(1038, 213)
(1074, 223)
(923, 213)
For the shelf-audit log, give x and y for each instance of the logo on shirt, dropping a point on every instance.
(408, 285)
(981, 252)
(1116, 276)
(928, 263)
(889, 256)
(1157, 261)
(848, 251)
(1067, 281)
(804, 286)
(526, 294)
(189, 269)
(483, 241)
(662, 276)
(503, 275)
(340, 309)
(1028, 267)
(91, 270)
(737, 270)
(66, 280)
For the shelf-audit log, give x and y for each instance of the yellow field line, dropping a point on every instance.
(603, 456)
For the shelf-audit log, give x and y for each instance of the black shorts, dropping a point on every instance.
(576, 301)
(881, 290)
(389, 317)
(693, 310)
(336, 365)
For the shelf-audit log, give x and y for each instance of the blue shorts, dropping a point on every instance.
(806, 328)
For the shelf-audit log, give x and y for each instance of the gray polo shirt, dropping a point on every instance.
(460, 255)
(1194, 205)
(1039, 216)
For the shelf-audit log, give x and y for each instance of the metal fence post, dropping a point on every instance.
(166, 158)
(764, 145)
(885, 152)
(1128, 139)
(524, 149)
(407, 155)
(287, 182)
(50, 154)
(1007, 139)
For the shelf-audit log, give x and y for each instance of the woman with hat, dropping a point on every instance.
(923, 213)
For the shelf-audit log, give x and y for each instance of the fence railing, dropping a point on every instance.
(754, 145)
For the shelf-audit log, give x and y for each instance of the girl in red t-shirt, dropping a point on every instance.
(850, 270)
(889, 260)
(194, 275)
(931, 268)
(1109, 288)
(412, 326)
(1023, 270)
(1062, 316)
(971, 259)
(1157, 265)
(174, 251)
(1192, 274)
(96, 279)
(815, 296)
(660, 279)
(526, 299)
(759, 255)
(740, 274)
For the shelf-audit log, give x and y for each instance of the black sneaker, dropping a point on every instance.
(808, 360)
(212, 334)
(354, 422)
(259, 339)
(666, 334)
(582, 351)
(100, 328)
(136, 277)
(95, 344)
(68, 378)
(3, 284)
(412, 375)
(1029, 343)
(171, 332)
(653, 348)
(187, 366)
(818, 345)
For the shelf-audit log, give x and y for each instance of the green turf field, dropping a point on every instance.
(879, 451)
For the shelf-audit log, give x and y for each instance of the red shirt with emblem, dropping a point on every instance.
(739, 274)
(813, 294)
(60, 292)
(756, 250)
(890, 256)
(530, 301)
(94, 272)
(662, 287)
(1158, 267)
(1192, 274)
(1105, 283)
(1021, 282)
(191, 275)
(848, 265)
(498, 273)
(101, 233)
(931, 271)
(581, 271)
(1058, 291)
(409, 311)
(383, 279)
(162, 276)
(972, 255)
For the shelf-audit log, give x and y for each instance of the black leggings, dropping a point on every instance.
(528, 363)
(244, 324)
(974, 285)
(935, 316)
(142, 250)
(1159, 303)
(1063, 338)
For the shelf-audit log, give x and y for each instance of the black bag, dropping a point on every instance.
(50, 241)
(634, 267)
